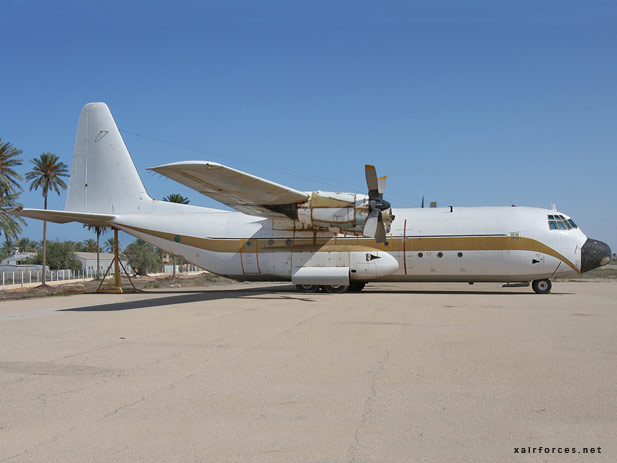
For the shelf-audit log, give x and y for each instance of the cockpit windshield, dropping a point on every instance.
(559, 222)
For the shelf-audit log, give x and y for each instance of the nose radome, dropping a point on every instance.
(594, 254)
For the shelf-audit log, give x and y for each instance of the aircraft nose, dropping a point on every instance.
(594, 254)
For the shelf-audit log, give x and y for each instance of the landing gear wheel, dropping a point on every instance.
(336, 288)
(356, 287)
(307, 288)
(542, 286)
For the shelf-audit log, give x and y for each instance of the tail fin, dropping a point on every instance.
(104, 179)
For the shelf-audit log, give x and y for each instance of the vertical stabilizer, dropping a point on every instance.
(103, 178)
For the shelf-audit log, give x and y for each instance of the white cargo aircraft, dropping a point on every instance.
(334, 241)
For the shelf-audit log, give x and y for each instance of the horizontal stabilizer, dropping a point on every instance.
(244, 192)
(64, 216)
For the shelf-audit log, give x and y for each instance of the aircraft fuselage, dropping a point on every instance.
(473, 244)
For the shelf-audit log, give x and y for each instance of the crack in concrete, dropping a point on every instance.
(369, 403)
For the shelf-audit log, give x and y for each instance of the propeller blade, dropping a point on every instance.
(381, 184)
(380, 234)
(374, 226)
(371, 180)
(370, 227)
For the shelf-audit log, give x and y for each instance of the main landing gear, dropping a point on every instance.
(307, 288)
(542, 286)
(352, 288)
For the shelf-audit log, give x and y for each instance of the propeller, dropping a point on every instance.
(374, 227)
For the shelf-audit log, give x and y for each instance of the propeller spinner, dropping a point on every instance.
(374, 227)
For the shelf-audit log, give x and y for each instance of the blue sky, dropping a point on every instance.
(467, 103)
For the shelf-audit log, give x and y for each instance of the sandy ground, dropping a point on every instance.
(260, 373)
(67, 288)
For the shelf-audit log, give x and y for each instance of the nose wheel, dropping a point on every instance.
(542, 286)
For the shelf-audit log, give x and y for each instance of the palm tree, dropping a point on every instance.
(8, 248)
(99, 230)
(9, 224)
(8, 176)
(175, 198)
(9, 189)
(46, 174)
(88, 245)
(26, 245)
(109, 244)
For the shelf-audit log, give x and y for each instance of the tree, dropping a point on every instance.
(175, 198)
(142, 257)
(46, 174)
(27, 245)
(9, 224)
(8, 248)
(59, 255)
(99, 230)
(89, 245)
(109, 244)
(8, 176)
(9, 189)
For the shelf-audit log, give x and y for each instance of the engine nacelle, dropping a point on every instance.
(336, 212)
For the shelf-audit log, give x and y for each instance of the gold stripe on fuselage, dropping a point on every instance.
(349, 244)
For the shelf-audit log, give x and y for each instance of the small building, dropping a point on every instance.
(88, 262)
(17, 259)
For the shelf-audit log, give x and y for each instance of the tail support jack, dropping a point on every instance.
(116, 288)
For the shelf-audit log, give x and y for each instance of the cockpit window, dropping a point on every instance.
(559, 222)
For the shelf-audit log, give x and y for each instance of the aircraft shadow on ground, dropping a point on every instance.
(187, 296)
(277, 292)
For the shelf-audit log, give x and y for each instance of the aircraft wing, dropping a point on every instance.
(244, 192)
(64, 216)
